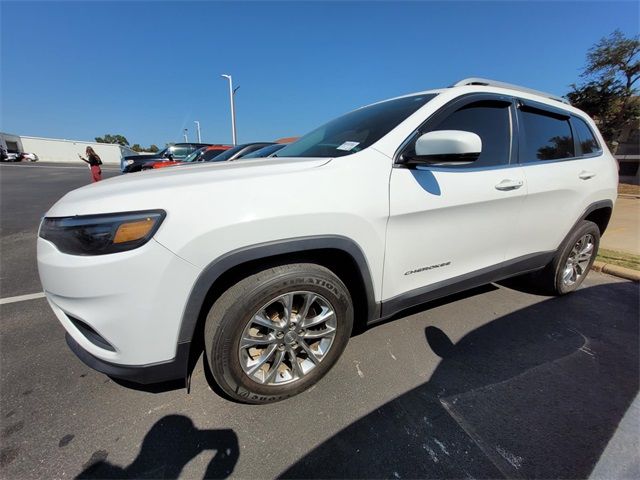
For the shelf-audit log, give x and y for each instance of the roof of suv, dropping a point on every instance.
(508, 86)
(498, 87)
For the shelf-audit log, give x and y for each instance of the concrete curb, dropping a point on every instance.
(616, 271)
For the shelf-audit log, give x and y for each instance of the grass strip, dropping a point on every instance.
(622, 259)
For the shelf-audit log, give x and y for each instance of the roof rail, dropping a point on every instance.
(495, 83)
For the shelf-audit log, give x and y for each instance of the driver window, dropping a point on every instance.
(490, 120)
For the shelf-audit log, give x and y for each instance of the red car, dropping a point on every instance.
(203, 154)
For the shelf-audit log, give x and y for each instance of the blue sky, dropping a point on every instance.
(147, 70)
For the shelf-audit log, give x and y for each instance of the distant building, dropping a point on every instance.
(60, 150)
(628, 154)
(11, 143)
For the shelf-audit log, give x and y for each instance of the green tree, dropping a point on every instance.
(153, 148)
(607, 93)
(108, 138)
(615, 58)
(137, 148)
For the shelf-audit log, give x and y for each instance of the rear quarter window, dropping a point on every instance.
(586, 139)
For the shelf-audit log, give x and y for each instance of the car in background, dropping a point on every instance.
(267, 151)
(18, 157)
(178, 151)
(9, 156)
(239, 151)
(29, 157)
(203, 154)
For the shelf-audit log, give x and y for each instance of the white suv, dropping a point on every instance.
(268, 264)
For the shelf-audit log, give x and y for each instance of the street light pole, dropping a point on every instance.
(232, 93)
(198, 130)
(186, 139)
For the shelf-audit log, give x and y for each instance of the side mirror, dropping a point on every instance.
(446, 146)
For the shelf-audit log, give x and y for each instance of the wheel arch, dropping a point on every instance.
(340, 254)
(600, 214)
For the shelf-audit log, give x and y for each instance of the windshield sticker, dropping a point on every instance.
(346, 146)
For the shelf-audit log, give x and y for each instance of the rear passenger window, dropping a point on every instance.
(491, 121)
(586, 139)
(546, 136)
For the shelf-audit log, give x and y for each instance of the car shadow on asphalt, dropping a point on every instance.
(168, 446)
(537, 393)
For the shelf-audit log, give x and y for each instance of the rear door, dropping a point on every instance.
(563, 166)
(451, 221)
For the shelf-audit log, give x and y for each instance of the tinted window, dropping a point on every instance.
(356, 130)
(490, 120)
(194, 156)
(211, 155)
(250, 149)
(227, 154)
(587, 140)
(265, 151)
(546, 137)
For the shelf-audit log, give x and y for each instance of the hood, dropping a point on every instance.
(160, 188)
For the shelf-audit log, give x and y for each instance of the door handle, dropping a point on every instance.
(584, 175)
(509, 184)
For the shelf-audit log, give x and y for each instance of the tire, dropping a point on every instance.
(555, 278)
(255, 309)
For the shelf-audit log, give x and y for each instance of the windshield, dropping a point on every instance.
(192, 157)
(356, 130)
(265, 151)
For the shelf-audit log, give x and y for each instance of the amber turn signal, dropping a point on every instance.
(130, 231)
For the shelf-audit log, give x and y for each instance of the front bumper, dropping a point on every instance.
(155, 373)
(124, 309)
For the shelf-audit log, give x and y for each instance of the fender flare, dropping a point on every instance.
(596, 206)
(222, 264)
(587, 211)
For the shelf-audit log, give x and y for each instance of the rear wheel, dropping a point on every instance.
(276, 333)
(572, 262)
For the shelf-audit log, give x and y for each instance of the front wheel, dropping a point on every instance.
(276, 333)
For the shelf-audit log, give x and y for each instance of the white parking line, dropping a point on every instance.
(21, 298)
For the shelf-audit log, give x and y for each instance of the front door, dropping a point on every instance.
(451, 222)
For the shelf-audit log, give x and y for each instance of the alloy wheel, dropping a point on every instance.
(578, 261)
(287, 338)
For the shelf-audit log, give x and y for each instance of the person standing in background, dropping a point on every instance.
(94, 163)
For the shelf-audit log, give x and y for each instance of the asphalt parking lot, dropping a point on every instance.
(494, 383)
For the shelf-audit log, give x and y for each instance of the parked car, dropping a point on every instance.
(267, 151)
(270, 265)
(18, 157)
(10, 156)
(203, 154)
(29, 157)
(178, 151)
(240, 151)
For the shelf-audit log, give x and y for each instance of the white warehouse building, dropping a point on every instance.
(59, 150)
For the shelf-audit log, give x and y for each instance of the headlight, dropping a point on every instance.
(129, 162)
(101, 234)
